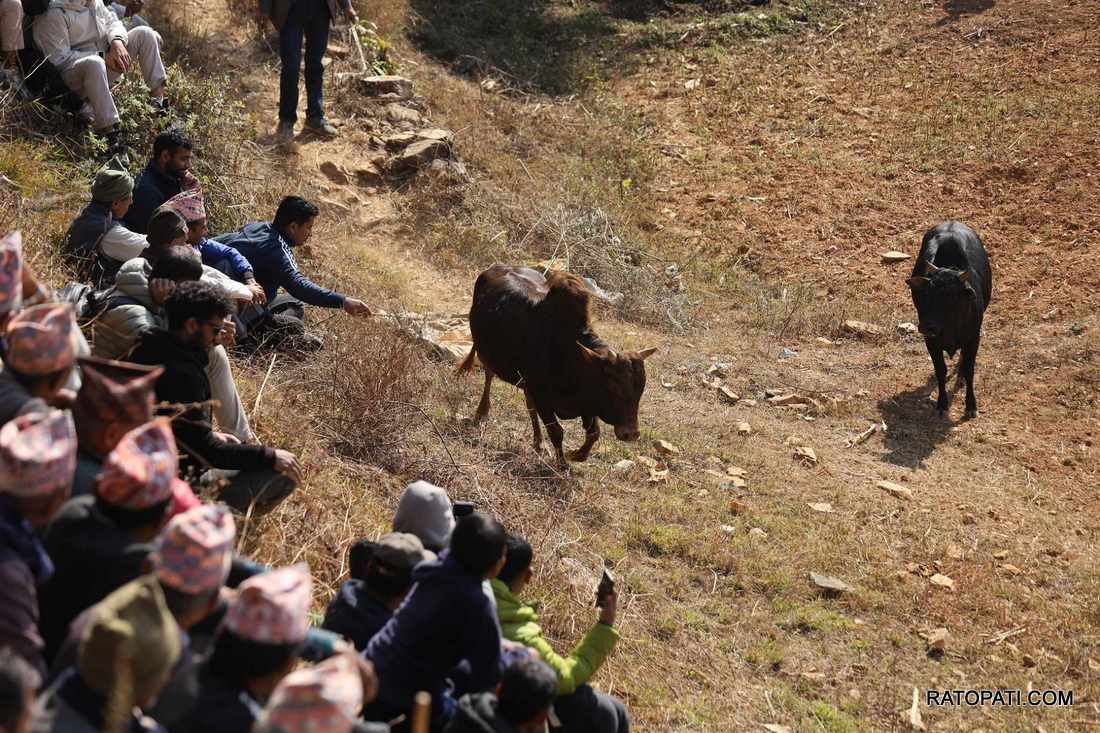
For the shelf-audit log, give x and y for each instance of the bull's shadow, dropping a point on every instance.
(957, 9)
(913, 427)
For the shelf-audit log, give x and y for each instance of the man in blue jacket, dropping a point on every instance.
(268, 248)
(445, 638)
(166, 174)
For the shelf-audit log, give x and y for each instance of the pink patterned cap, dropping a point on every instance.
(193, 552)
(273, 608)
(11, 272)
(141, 471)
(188, 204)
(326, 698)
(42, 340)
(37, 454)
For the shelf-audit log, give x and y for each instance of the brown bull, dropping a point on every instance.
(535, 332)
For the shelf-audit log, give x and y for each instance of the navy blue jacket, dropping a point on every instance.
(269, 252)
(447, 620)
(355, 614)
(151, 189)
(224, 258)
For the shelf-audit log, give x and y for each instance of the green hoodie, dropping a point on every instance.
(519, 623)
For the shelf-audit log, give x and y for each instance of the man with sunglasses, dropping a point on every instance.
(255, 476)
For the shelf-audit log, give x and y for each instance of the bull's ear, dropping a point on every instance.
(964, 275)
(917, 283)
(646, 353)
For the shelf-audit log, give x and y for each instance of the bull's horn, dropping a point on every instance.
(964, 275)
(917, 282)
(929, 267)
(587, 351)
(646, 353)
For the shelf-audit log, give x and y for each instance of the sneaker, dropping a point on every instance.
(321, 126)
(162, 106)
(284, 133)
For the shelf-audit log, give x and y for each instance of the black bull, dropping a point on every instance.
(951, 286)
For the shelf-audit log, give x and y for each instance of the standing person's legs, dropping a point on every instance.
(230, 412)
(290, 53)
(143, 43)
(316, 32)
(90, 78)
(588, 711)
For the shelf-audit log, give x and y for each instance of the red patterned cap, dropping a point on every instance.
(273, 608)
(326, 698)
(37, 454)
(11, 272)
(141, 471)
(42, 340)
(193, 552)
(117, 391)
(188, 204)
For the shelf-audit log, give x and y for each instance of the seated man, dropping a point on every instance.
(258, 645)
(97, 239)
(114, 399)
(91, 48)
(446, 621)
(39, 352)
(381, 577)
(18, 683)
(11, 34)
(190, 206)
(326, 698)
(520, 704)
(166, 174)
(268, 248)
(98, 543)
(37, 457)
(196, 315)
(579, 707)
(126, 655)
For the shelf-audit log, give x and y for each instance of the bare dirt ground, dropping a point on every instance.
(773, 170)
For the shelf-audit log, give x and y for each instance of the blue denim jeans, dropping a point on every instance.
(309, 19)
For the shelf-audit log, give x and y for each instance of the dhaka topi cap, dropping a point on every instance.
(11, 272)
(326, 698)
(141, 471)
(193, 552)
(117, 391)
(273, 608)
(37, 453)
(131, 641)
(110, 185)
(41, 340)
(188, 204)
(165, 227)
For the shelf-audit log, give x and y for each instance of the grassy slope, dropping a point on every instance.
(774, 183)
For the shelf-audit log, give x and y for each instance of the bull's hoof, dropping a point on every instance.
(971, 414)
(577, 456)
(471, 422)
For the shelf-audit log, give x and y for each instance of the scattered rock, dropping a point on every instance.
(787, 353)
(806, 455)
(969, 519)
(1000, 554)
(896, 489)
(829, 583)
(1011, 568)
(772, 392)
(719, 369)
(692, 84)
(370, 174)
(378, 86)
(954, 552)
(1029, 661)
(862, 328)
(335, 173)
(812, 676)
(738, 507)
(734, 482)
(335, 206)
(648, 462)
(787, 400)
(748, 403)
(907, 328)
(776, 728)
(936, 640)
(758, 534)
(728, 395)
(822, 506)
(824, 341)
(942, 581)
(624, 466)
(337, 50)
(743, 428)
(419, 154)
(893, 257)
(658, 473)
(668, 449)
(399, 114)
(728, 529)
(913, 714)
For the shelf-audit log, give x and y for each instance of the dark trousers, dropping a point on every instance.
(264, 489)
(309, 19)
(588, 711)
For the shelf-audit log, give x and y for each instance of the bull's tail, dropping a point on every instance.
(467, 364)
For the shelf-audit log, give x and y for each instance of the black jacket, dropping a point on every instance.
(478, 714)
(355, 614)
(92, 557)
(184, 381)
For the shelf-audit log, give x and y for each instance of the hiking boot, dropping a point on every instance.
(117, 151)
(284, 133)
(162, 106)
(321, 126)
